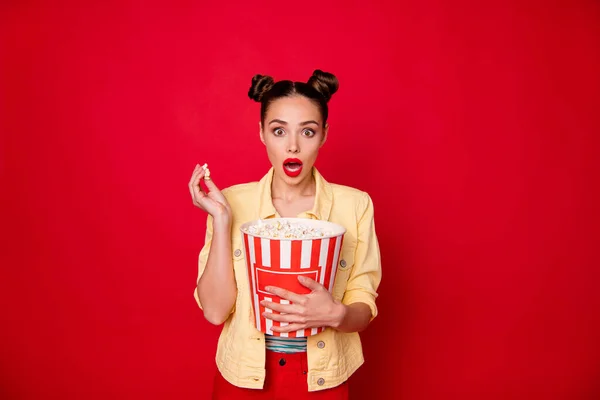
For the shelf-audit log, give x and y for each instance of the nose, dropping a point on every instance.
(293, 146)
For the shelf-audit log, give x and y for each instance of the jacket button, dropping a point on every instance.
(343, 263)
(321, 382)
(282, 361)
(321, 344)
(237, 252)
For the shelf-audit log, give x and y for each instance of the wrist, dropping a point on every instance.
(339, 314)
(222, 221)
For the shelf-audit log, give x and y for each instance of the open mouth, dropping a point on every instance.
(292, 167)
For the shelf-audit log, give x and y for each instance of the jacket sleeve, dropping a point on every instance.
(365, 276)
(203, 256)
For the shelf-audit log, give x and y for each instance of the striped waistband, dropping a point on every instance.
(286, 345)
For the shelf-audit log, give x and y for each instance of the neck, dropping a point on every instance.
(280, 189)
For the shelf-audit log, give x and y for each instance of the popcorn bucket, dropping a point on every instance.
(278, 250)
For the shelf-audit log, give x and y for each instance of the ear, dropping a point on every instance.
(261, 133)
(325, 132)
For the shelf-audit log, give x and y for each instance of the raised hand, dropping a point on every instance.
(212, 201)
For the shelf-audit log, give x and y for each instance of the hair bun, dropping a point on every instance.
(324, 82)
(261, 84)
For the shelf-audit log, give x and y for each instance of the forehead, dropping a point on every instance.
(293, 109)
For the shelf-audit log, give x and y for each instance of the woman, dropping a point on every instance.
(293, 127)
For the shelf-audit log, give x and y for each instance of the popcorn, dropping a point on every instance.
(207, 173)
(286, 230)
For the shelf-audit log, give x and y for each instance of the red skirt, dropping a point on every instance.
(285, 379)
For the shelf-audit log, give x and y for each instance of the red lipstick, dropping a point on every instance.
(292, 167)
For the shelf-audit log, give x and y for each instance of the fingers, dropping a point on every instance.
(211, 185)
(289, 328)
(198, 170)
(282, 317)
(282, 308)
(210, 199)
(208, 180)
(194, 185)
(286, 294)
(310, 283)
(197, 175)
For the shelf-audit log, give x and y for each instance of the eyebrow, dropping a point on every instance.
(279, 121)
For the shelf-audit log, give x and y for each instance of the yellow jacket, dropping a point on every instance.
(332, 356)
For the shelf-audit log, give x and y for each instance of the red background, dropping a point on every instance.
(473, 125)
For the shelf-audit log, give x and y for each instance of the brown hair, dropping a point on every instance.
(319, 89)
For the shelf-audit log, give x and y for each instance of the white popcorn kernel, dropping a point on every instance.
(285, 230)
(206, 172)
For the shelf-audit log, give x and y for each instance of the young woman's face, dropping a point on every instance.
(293, 133)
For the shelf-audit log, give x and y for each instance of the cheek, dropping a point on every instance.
(273, 150)
(313, 148)
(271, 145)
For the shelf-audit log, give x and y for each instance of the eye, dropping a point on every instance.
(278, 132)
(308, 133)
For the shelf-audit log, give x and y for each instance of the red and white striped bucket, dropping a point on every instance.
(278, 262)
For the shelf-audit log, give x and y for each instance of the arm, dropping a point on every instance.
(317, 308)
(216, 288)
(351, 318)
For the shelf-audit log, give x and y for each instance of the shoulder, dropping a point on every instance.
(349, 192)
(352, 197)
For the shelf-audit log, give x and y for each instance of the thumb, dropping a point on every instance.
(210, 184)
(310, 283)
